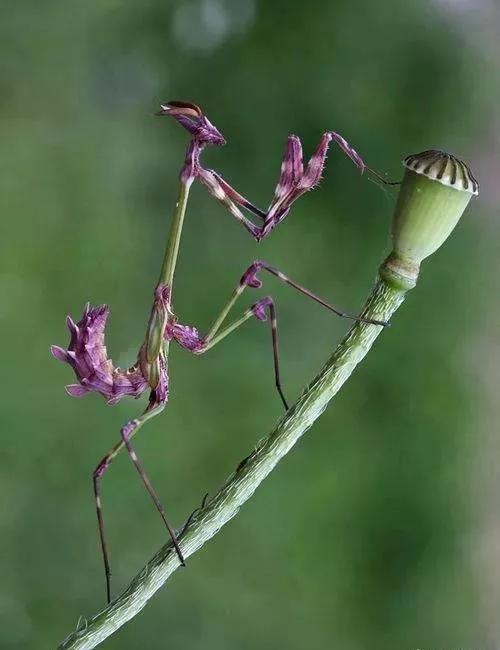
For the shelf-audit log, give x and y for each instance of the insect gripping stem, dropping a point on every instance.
(382, 303)
(425, 215)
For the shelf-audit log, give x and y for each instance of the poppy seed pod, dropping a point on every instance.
(435, 191)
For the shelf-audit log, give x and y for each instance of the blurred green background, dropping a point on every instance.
(381, 530)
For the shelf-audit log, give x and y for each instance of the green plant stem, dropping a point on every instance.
(385, 298)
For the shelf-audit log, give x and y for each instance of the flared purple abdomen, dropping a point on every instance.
(88, 357)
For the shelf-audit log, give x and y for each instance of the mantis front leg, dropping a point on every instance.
(295, 178)
(294, 181)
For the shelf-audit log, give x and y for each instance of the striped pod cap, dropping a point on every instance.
(444, 168)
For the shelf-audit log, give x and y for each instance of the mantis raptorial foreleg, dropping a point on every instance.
(294, 181)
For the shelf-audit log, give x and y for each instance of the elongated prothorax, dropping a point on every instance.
(434, 193)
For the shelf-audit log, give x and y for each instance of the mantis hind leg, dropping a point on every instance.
(127, 431)
(96, 480)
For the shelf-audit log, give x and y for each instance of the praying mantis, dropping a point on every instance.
(86, 352)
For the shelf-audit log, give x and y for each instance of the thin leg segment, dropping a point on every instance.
(259, 265)
(259, 312)
(96, 480)
(189, 338)
(128, 431)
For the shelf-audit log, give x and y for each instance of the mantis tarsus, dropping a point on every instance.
(87, 353)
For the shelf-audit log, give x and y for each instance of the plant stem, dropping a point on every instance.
(384, 300)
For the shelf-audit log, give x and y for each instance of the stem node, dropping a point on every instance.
(398, 273)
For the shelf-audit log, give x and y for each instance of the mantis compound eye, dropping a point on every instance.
(192, 118)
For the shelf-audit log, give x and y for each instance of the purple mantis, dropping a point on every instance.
(86, 352)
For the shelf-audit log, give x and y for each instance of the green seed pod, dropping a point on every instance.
(434, 193)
